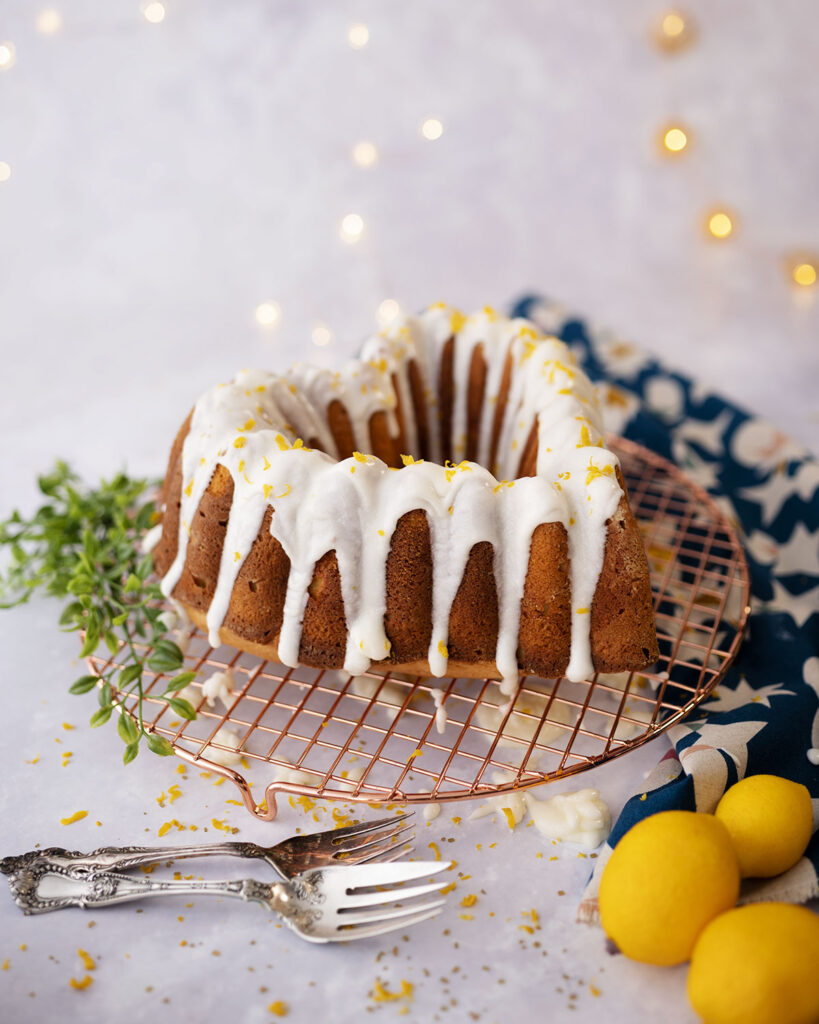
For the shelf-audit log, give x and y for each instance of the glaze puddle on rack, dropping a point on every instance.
(306, 725)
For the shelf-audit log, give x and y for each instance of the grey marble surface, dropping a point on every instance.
(165, 180)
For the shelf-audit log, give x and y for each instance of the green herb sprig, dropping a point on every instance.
(82, 545)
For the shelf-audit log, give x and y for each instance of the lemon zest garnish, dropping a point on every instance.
(76, 816)
(470, 900)
(510, 818)
(282, 442)
(594, 472)
(380, 994)
(456, 321)
(240, 442)
(408, 460)
(86, 981)
(87, 961)
(435, 850)
(279, 1008)
(582, 611)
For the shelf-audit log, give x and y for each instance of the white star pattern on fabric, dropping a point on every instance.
(726, 699)
(776, 490)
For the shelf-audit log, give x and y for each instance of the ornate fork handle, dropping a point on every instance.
(122, 858)
(66, 886)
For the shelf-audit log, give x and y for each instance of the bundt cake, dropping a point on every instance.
(442, 505)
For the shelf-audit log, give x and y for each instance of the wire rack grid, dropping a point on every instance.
(384, 738)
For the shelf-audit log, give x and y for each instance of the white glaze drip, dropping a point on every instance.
(257, 426)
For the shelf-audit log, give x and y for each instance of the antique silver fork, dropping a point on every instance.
(367, 842)
(331, 904)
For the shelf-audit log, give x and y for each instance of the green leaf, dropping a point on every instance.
(83, 684)
(170, 648)
(104, 696)
(161, 663)
(133, 583)
(182, 708)
(159, 745)
(71, 613)
(130, 752)
(128, 732)
(180, 682)
(92, 642)
(111, 641)
(129, 674)
(100, 717)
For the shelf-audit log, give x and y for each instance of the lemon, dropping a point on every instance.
(666, 879)
(770, 821)
(757, 964)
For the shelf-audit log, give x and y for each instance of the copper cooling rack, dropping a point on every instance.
(380, 738)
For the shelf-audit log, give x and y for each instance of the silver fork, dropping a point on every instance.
(332, 904)
(356, 844)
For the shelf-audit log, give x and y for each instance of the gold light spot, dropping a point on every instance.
(48, 21)
(720, 224)
(675, 31)
(153, 11)
(322, 335)
(803, 273)
(352, 227)
(358, 36)
(365, 153)
(8, 56)
(268, 313)
(674, 140)
(432, 129)
(387, 312)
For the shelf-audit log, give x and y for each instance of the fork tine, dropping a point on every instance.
(371, 841)
(377, 914)
(373, 899)
(363, 875)
(367, 931)
(388, 856)
(367, 826)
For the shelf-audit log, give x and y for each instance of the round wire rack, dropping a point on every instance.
(385, 737)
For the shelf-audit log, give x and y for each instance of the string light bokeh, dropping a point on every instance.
(400, 126)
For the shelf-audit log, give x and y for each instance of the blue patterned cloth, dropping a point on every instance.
(764, 717)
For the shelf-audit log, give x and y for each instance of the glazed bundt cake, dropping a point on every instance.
(442, 505)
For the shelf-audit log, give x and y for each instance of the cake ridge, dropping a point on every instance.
(274, 436)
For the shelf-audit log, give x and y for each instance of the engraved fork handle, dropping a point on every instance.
(122, 858)
(41, 886)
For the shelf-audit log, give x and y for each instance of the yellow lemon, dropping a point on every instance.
(770, 821)
(666, 879)
(757, 964)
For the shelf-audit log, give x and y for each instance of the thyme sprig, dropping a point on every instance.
(82, 545)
